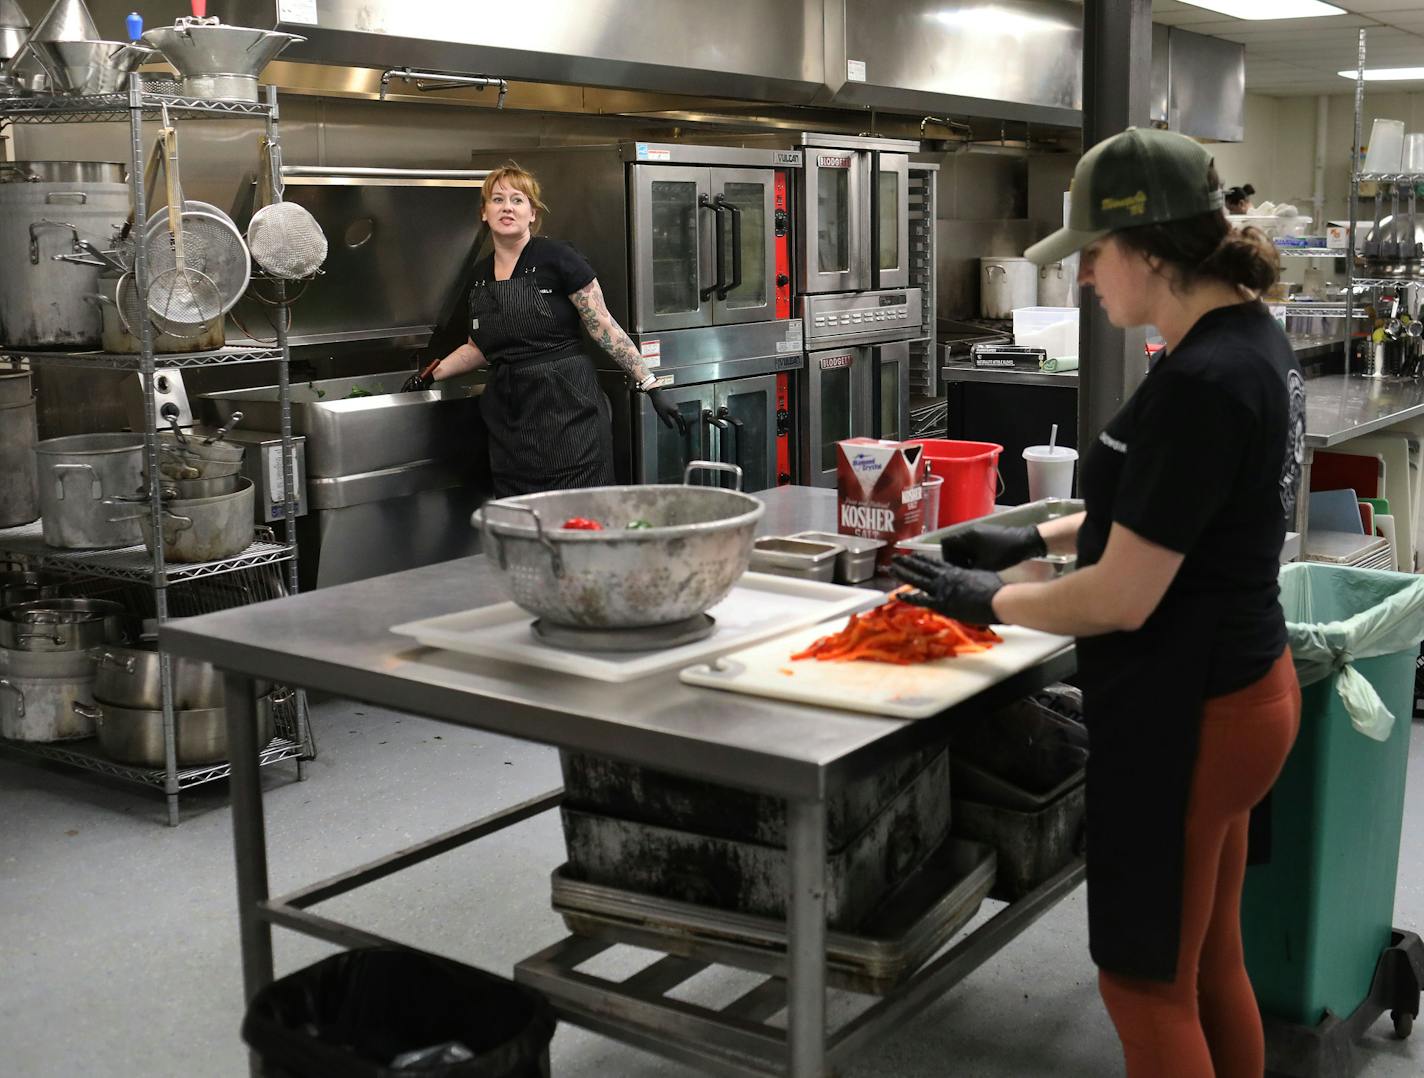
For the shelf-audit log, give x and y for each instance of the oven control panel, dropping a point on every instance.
(890, 312)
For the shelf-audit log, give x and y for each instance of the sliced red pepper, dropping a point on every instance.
(581, 524)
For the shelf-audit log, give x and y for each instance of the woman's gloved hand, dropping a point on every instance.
(964, 594)
(992, 546)
(666, 410)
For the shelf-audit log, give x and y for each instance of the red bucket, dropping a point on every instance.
(971, 477)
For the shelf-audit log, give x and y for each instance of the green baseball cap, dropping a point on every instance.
(1139, 177)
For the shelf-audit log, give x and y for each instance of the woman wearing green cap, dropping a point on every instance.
(1189, 690)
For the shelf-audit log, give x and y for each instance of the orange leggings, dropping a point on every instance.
(1206, 1024)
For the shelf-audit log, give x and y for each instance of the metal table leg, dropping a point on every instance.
(249, 837)
(806, 928)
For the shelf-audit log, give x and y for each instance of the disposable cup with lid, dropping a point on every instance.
(1050, 471)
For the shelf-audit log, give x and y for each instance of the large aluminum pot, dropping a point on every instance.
(45, 207)
(39, 692)
(65, 624)
(80, 477)
(215, 61)
(1056, 286)
(205, 529)
(14, 387)
(19, 492)
(1005, 285)
(135, 735)
(129, 677)
(122, 339)
(699, 545)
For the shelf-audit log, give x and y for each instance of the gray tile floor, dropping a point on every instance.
(118, 945)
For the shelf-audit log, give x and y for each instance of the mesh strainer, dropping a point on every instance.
(285, 238)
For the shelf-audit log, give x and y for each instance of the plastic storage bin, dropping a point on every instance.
(356, 1014)
(1317, 916)
(1054, 329)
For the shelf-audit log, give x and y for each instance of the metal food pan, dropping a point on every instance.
(750, 877)
(855, 564)
(895, 940)
(1045, 568)
(1031, 846)
(610, 787)
(796, 557)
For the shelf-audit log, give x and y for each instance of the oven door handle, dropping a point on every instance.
(735, 425)
(736, 281)
(718, 286)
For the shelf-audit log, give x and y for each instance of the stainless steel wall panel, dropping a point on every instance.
(1009, 59)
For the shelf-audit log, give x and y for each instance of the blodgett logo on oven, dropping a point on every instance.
(831, 363)
(833, 160)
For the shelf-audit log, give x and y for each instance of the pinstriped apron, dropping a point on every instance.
(550, 425)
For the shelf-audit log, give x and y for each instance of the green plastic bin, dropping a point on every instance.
(1316, 917)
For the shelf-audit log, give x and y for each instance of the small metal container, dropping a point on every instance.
(800, 558)
(856, 563)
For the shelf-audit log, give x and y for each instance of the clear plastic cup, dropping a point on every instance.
(1386, 149)
(1414, 153)
(1050, 471)
(930, 487)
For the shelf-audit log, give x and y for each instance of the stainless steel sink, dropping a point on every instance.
(367, 433)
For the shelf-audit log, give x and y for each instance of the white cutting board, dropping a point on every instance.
(902, 692)
(760, 605)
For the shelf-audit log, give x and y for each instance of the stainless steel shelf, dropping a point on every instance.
(97, 108)
(1390, 177)
(1385, 282)
(1311, 252)
(86, 756)
(132, 563)
(133, 362)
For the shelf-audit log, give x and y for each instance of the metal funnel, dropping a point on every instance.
(66, 20)
(14, 27)
(218, 61)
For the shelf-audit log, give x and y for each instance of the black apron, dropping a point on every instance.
(550, 425)
(1143, 697)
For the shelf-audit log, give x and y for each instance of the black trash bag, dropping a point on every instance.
(1024, 743)
(351, 1015)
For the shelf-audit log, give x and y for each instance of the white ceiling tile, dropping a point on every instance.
(1373, 7)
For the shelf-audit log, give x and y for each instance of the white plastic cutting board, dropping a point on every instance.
(903, 692)
(761, 605)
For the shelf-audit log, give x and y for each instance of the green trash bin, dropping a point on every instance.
(1317, 916)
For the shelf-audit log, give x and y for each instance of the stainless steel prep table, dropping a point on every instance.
(336, 640)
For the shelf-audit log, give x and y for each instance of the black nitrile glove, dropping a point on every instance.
(964, 594)
(992, 546)
(666, 410)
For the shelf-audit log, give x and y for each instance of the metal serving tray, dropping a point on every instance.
(895, 940)
(1031, 513)
(750, 877)
(800, 558)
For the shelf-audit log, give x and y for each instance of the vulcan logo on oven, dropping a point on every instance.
(867, 517)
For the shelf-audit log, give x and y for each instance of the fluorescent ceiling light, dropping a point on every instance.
(1268, 9)
(1387, 74)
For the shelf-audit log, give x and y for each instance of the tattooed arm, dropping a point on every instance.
(607, 333)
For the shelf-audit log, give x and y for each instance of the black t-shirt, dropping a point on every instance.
(558, 271)
(1205, 459)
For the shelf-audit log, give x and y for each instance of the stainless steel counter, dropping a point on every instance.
(1338, 408)
(337, 640)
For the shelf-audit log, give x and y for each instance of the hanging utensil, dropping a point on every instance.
(182, 300)
(285, 239)
(178, 435)
(1395, 250)
(1372, 241)
(222, 432)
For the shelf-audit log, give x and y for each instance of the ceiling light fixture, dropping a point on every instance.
(1260, 10)
(1386, 74)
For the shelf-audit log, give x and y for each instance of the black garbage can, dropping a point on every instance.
(354, 1014)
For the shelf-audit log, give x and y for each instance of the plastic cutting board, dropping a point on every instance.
(902, 692)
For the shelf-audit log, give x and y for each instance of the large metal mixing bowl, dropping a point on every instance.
(697, 548)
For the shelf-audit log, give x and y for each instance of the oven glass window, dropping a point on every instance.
(889, 425)
(745, 441)
(750, 198)
(833, 219)
(674, 204)
(889, 195)
(835, 413)
(674, 449)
